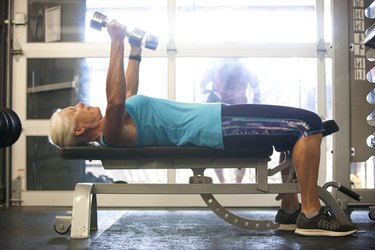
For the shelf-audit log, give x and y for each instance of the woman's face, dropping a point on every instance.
(84, 116)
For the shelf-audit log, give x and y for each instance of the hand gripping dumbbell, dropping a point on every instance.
(137, 38)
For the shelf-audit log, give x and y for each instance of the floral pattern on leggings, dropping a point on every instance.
(238, 126)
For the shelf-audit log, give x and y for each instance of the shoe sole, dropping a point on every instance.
(287, 227)
(318, 232)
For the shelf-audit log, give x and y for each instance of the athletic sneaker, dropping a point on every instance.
(323, 224)
(286, 221)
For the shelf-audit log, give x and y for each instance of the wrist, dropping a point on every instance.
(135, 51)
(117, 41)
(135, 57)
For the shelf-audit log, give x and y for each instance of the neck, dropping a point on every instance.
(94, 131)
(98, 131)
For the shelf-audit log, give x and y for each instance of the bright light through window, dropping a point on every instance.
(148, 15)
(246, 21)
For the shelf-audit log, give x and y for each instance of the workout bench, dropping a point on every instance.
(84, 212)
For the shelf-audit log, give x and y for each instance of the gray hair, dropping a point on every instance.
(61, 131)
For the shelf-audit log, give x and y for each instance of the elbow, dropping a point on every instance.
(116, 105)
(130, 93)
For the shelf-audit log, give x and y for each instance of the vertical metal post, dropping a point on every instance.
(341, 92)
(8, 97)
(321, 87)
(171, 51)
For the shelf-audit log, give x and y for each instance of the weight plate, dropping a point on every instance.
(5, 134)
(16, 127)
(11, 127)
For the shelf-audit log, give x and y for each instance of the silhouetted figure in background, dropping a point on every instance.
(230, 81)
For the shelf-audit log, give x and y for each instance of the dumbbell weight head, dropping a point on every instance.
(10, 127)
(151, 42)
(98, 21)
(137, 37)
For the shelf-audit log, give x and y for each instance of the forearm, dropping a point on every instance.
(116, 81)
(132, 72)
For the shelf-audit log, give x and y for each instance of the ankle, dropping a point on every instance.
(311, 214)
(291, 209)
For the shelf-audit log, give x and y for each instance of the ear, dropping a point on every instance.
(79, 131)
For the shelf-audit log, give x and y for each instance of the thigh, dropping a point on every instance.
(250, 125)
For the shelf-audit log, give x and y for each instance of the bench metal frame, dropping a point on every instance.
(84, 212)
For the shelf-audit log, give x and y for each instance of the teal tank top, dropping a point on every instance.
(162, 122)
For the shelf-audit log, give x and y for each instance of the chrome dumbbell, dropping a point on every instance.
(137, 37)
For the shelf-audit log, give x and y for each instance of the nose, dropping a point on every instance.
(79, 105)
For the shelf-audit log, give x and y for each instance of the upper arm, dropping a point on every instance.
(113, 122)
(118, 128)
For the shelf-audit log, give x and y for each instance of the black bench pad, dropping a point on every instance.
(162, 152)
(169, 152)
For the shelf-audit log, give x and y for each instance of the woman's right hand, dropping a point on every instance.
(116, 30)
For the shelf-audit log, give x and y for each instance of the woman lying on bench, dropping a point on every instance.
(133, 120)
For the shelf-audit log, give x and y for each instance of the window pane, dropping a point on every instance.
(268, 21)
(148, 15)
(362, 174)
(47, 17)
(47, 171)
(54, 83)
(58, 83)
(279, 81)
(327, 21)
(71, 22)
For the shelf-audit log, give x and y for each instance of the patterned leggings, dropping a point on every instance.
(252, 125)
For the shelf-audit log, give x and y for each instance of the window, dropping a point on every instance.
(245, 21)
(275, 41)
(148, 15)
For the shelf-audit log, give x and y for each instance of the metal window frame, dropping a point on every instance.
(79, 50)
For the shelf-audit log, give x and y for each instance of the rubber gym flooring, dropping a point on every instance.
(32, 228)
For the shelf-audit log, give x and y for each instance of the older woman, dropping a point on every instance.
(133, 120)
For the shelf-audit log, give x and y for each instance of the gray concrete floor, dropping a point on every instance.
(32, 228)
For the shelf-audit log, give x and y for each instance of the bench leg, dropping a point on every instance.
(84, 211)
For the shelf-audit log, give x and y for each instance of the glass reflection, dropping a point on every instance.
(57, 83)
(71, 20)
(75, 16)
(280, 81)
